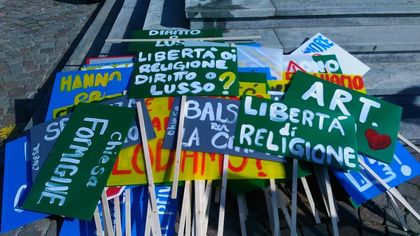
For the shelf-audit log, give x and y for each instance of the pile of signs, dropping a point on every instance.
(126, 139)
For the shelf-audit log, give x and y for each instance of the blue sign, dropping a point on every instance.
(75, 227)
(167, 208)
(265, 70)
(361, 186)
(73, 87)
(17, 176)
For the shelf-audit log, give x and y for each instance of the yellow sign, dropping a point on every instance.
(129, 168)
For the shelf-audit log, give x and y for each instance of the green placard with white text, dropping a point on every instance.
(179, 70)
(377, 121)
(316, 135)
(75, 173)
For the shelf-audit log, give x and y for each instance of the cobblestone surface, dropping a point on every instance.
(34, 37)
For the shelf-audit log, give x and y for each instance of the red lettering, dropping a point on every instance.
(357, 82)
(189, 154)
(260, 169)
(134, 159)
(116, 171)
(240, 168)
(345, 81)
(148, 102)
(156, 124)
(159, 166)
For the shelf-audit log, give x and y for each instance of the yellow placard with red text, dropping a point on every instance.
(129, 169)
(354, 82)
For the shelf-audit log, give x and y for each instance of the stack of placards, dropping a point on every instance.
(130, 142)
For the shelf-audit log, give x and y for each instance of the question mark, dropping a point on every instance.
(230, 79)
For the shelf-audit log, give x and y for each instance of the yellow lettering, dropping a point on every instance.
(65, 83)
(88, 80)
(101, 79)
(115, 74)
(77, 82)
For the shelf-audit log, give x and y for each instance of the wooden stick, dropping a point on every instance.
(149, 171)
(310, 199)
(330, 201)
(127, 192)
(274, 199)
(223, 196)
(206, 206)
(98, 224)
(178, 147)
(188, 216)
(233, 38)
(294, 196)
(406, 141)
(185, 202)
(397, 212)
(117, 210)
(393, 191)
(198, 208)
(242, 212)
(283, 208)
(323, 191)
(106, 214)
(267, 203)
(148, 223)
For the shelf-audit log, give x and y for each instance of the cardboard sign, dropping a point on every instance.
(72, 87)
(315, 135)
(210, 127)
(107, 60)
(362, 187)
(15, 186)
(249, 56)
(106, 66)
(176, 71)
(309, 63)
(73, 177)
(43, 136)
(321, 45)
(377, 120)
(169, 34)
(129, 168)
(167, 209)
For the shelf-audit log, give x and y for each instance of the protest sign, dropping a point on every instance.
(321, 45)
(353, 82)
(16, 185)
(362, 186)
(377, 120)
(249, 56)
(309, 63)
(72, 87)
(129, 167)
(75, 227)
(106, 66)
(210, 127)
(315, 135)
(176, 71)
(43, 136)
(69, 184)
(107, 60)
(169, 34)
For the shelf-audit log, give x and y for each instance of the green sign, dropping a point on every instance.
(169, 34)
(377, 120)
(176, 71)
(75, 173)
(316, 135)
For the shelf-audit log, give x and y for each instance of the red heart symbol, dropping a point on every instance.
(377, 141)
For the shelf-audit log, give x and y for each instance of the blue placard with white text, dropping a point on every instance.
(361, 186)
(15, 186)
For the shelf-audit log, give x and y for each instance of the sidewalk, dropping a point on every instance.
(34, 37)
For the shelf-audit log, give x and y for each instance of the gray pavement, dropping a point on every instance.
(34, 36)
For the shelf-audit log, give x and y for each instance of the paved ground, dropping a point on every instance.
(34, 37)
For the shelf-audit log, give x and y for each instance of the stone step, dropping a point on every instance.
(267, 8)
(358, 38)
(302, 22)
